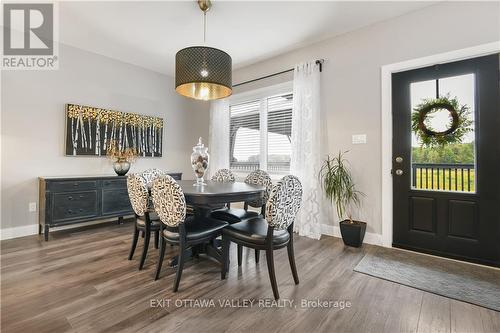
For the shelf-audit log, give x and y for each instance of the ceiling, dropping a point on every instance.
(148, 34)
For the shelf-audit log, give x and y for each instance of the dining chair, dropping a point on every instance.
(235, 215)
(270, 233)
(176, 229)
(224, 176)
(150, 175)
(146, 220)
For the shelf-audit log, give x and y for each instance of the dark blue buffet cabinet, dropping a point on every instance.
(72, 200)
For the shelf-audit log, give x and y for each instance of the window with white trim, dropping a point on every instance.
(260, 132)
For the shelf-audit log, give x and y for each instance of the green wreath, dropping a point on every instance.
(460, 124)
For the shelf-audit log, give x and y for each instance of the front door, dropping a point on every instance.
(446, 159)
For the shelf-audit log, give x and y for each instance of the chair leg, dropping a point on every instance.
(145, 249)
(291, 258)
(240, 254)
(180, 266)
(257, 256)
(226, 243)
(272, 274)
(157, 237)
(160, 259)
(134, 243)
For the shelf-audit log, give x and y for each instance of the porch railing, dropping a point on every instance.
(443, 176)
(251, 166)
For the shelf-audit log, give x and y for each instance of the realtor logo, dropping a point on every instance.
(29, 36)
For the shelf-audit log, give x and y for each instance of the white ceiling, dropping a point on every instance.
(148, 34)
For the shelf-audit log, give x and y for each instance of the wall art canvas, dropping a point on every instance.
(89, 131)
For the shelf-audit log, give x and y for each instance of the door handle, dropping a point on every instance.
(399, 172)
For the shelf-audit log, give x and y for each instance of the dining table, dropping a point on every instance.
(214, 195)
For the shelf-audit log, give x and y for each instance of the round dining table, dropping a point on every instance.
(213, 195)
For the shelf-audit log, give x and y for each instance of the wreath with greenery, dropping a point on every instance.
(460, 124)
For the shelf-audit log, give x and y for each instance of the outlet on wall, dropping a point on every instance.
(32, 207)
(358, 139)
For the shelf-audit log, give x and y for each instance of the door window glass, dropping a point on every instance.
(440, 161)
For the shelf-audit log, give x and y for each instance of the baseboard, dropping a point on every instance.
(25, 230)
(28, 230)
(332, 230)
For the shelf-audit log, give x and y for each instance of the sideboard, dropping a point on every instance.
(72, 200)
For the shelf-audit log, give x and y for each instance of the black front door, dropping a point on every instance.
(446, 164)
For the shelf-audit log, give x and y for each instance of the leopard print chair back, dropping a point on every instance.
(260, 177)
(150, 174)
(169, 201)
(224, 176)
(138, 193)
(284, 202)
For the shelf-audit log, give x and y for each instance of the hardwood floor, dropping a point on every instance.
(82, 281)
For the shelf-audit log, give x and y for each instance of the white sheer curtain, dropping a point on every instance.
(308, 142)
(218, 141)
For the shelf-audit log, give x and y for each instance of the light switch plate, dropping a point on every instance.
(32, 207)
(358, 139)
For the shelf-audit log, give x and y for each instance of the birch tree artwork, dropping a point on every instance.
(89, 131)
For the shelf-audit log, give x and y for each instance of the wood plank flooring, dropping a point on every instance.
(81, 281)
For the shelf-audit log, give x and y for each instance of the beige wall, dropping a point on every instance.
(351, 78)
(33, 119)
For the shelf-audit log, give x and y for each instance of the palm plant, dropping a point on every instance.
(339, 187)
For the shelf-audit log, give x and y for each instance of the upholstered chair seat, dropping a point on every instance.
(155, 221)
(195, 231)
(233, 215)
(269, 234)
(254, 231)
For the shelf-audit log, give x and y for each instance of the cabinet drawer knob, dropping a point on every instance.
(70, 198)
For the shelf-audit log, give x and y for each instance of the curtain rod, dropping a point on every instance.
(319, 62)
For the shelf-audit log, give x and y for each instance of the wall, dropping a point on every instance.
(351, 91)
(33, 119)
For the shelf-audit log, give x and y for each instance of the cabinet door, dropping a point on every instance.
(115, 201)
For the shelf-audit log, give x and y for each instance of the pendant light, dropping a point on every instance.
(203, 72)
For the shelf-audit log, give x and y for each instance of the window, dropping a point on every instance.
(260, 133)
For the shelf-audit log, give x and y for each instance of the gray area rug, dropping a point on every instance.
(461, 281)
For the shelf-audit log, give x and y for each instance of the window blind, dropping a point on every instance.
(245, 136)
(279, 132)
(246, 150)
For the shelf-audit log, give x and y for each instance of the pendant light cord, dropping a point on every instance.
(204, 27)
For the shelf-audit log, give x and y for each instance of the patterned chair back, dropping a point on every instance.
(138, 193)
(284, 202)
(260, 177)
(224, 176)
(169, 200)
(150, 174)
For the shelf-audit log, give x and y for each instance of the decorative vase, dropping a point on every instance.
(121, 167)
(199, 161)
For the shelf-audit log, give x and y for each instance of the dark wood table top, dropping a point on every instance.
(218, 192)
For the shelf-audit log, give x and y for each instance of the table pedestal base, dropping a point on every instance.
(211, 249)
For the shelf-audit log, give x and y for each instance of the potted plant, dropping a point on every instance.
(339, 187)
(121, 157)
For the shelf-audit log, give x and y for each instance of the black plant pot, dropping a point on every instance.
(353, 233)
